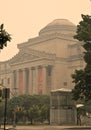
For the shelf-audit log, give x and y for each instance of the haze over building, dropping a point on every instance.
(45, 62)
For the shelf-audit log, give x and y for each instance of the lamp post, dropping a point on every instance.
(5, 96)
(78, 106)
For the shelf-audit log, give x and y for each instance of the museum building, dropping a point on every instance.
(45, 62)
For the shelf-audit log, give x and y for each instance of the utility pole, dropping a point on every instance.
(5, 110)
(6, 96)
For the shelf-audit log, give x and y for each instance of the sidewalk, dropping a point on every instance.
(46, 127)
(51, 127)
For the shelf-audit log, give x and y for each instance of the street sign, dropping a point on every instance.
(6, 93)
(16, 101)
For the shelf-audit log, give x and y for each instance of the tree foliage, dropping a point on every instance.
(82, 78)
(4, 37)
(84, 29)
(28, 108)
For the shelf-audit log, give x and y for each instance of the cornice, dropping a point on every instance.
(4, 62)
(77, 44)
(57, 28)
(40, 39)
(61, 59)
(75, 57)
(32, 61)
(5, 72)
(75, 66)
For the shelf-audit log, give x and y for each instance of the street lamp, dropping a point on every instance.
(5, 95)
(78, 106)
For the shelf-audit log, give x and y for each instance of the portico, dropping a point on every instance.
(32, 80)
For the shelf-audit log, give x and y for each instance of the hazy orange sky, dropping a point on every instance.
(23, 19)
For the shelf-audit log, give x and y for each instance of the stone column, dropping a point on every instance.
(17, 79)
(36, 80)
(24, 81)
(30, 81)
(44, 80)
(12, 85)
(16, 82)
(53, 78)
(33, 80)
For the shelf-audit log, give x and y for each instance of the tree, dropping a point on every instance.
(39, 108)
(82, 78)
(4, 37)
(34, 108)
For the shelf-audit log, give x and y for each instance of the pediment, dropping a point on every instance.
(29, 55)
(22, 57)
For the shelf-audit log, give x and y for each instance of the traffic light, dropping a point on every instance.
(0, 94)
(6, 93)
(18, 108)
(0, 99)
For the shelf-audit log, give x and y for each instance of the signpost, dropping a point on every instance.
(15, 102)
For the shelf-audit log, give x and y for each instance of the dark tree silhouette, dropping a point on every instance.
(82, 78)
(4, 37)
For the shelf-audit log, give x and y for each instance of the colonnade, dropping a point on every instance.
(31, 80)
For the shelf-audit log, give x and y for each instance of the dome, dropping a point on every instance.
(58, 26)
(61, 22)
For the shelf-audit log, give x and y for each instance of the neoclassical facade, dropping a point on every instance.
(45, 62)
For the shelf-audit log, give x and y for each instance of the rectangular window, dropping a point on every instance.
(2, 81)
(8, 80)
(65, 83)
(49, 70)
